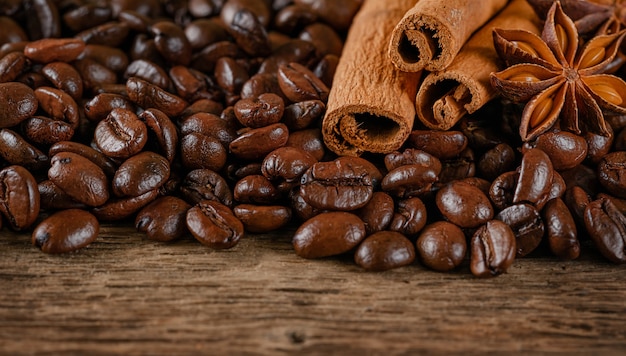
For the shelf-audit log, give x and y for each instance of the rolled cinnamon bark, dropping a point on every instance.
(432, 32)
(446, 96)
(371, 104)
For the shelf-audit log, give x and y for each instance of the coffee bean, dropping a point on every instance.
(19, 197)
(464, 205)
(535, 177)
(378, 213)
(214, 225)
(565, 149)
(285, 166)
(266, 110)
(607, 228)
(328, 234)
(409, 180)
(255, 189)
(48, 50)
(410, 217)
(199, 151)
(80, 178)
(492, 249)
(441, 144)
(526, 224)
(298, 83)
(256, 143)
(262, 218)
(66, 231)
(560, 230)
(139, 174)
(612, 173)
(19, 103)
(122, 208)
(441, 246)
(384, 250)
(121, 134)
(164, 219)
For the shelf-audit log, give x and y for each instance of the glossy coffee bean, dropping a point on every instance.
(266, 110)
(383, 251)
(171, 42)
(119, 208)
(164, 219)
(94, 74)
(285, 166)
(255, 189)
(210, 125)
(14, 149)
(230, 75)
(502, 189)
(214, 225)
(66, 231)
(299, 116)
(256, 143)
(565, 149)
(498, 160)
(441, 144)
(140, 173)
(58, 105)
(338, 14)
(309, 140)
(410, 217)
(121, 134)
(464, 204)
(249, 33)
(606, 226)
(535, 177)
(328, 234)
(377, 213)
(598, 145)
(19, 197)
(148, 95)
(11, 66)
(324, 37)
(48, 50)
(19, 103)
(199, 151)
(409, 180)
(65, 77)
(54, 198)
(493, 248)
(148, 71)
(299, 83)
(262, 218)
(97, 157)
(98, 107)
(112, 34)
(396, 159)
(560, 230)
(44, 131)
(441, 246)
(527, 226)
(163, 134)
(612, 173)
(205, 184)
(79, 178)
(337, 185)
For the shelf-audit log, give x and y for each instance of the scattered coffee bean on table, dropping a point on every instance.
(203, 119)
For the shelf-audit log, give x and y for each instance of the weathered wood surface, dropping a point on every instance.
(126, 295)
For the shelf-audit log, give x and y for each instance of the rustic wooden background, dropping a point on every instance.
(127, 295)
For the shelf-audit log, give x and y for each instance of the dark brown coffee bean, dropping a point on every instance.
(14, 149)
(94, 74)
(612, 173)
(464, 205)
(123, 208)
(205, 184)
(121, 134)
(266, 110)
(396, 159)
(384, 250)
(79, 178)
(326, 68)
(53, 197)
(502, 189)
(337, 185)
(97, 157)
(11, 66)
(458, 168)
(249, 33)
(620, 204)
(54, 49)
(299, 116)
(293, 18)
(262, 218)
(202, 32)
(171, 42)
(207, 106)
(377, 213)
(58, 105)
(441, 246)
(136, 21)
(498, 160)
(214, 225)
(409, 180)
(441, 144)
(410, 217)
(338, 14)
(584, 177)
(140, 173)
(526, 224)
(257, 143)
(44, 131)
(19, 197)
(291, 50)
(261, 83)
(230, 75)
(598, 145)
(162, 132)
(164, 219)
(202, 151)
(209, 125)
(99, 106)
(560, 230)
(324, 37)
(148, 95)
(85, 16)
(206, 59)
(285, 166)
(369, 167)
(66, 231)
(260, 9)
(565, 149)
(255, 189)
(576, 200)
(109, 34)
(535, 177)
(188, 82)
(64, 77)
(148, 71)
(19, 103)
(298, 83)
(11, 30)
(111, 57)
(309, 140)
(328, 234)
(492, 249)
(44, 20)
(607, 228)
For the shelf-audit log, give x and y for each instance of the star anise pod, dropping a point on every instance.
(587, 15)
(559, 80)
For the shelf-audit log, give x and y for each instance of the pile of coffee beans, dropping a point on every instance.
(202, 118)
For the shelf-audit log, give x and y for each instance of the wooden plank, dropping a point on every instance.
(126, 295)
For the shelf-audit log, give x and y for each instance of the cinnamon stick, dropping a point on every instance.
(432, 32)
(371, 104)
(446, 96)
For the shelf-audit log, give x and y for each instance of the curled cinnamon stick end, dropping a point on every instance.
(432, 32)
(463, 87)
(371, 106)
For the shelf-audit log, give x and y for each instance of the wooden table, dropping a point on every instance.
(126, 295)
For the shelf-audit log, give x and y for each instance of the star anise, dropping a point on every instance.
(559, 80)
(587, 15)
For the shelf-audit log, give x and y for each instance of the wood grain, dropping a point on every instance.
(126, 295)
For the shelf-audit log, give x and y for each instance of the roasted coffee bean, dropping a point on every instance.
(257, 143)
(299, 116)
(66, 231)
(85, 16)
(493, 249)
(230, 75)
(255, 189)
(620, 204)
(58, 105)
(19, 197)
(370, 167)
(526, 224)
(11, 30)
(464, 204)
(97, 157)
(309, 140)
(249, 33)
(324, 37)
(607, 228)
(260, 9)
(208, 106)
(482, 134)
(498, 160)
(291, 50)
(19, 103)
(202, 32)
(535, 177)
(99, 107)
(266, 110)
(441, 144)
(123, 208)
(162, 131)
(502, 189)
(14, 149)
(410, 217)
(202, 151)
(94, 74)
(384, 250)
(11, 66)
(262, 218)
(206, 59)
(326, 68)
(598, 145)
(205, 184)
(461, 167)
(285, 166)
(44, 131)
(209, 125)
(576, 200)
(188, 82)
(111, 57)
(328, 234)
(582, 176)
(171, 42)
(480, 183)
(337, 185)
(44, 20)
(377, 213)
(612, 173)
(121, 134)
(396, 159)
(409, 180)
(109, 34)
(261, 83)
(441, 246)
(293, 18)
(53, 197)
(565, 149)
(214, 225)
(298, 83)
(164, 219)
(338, 14)
(148, 71)
(561, 230)
(79, 178)
(148, 95)
(140, 173)
(54, 49)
